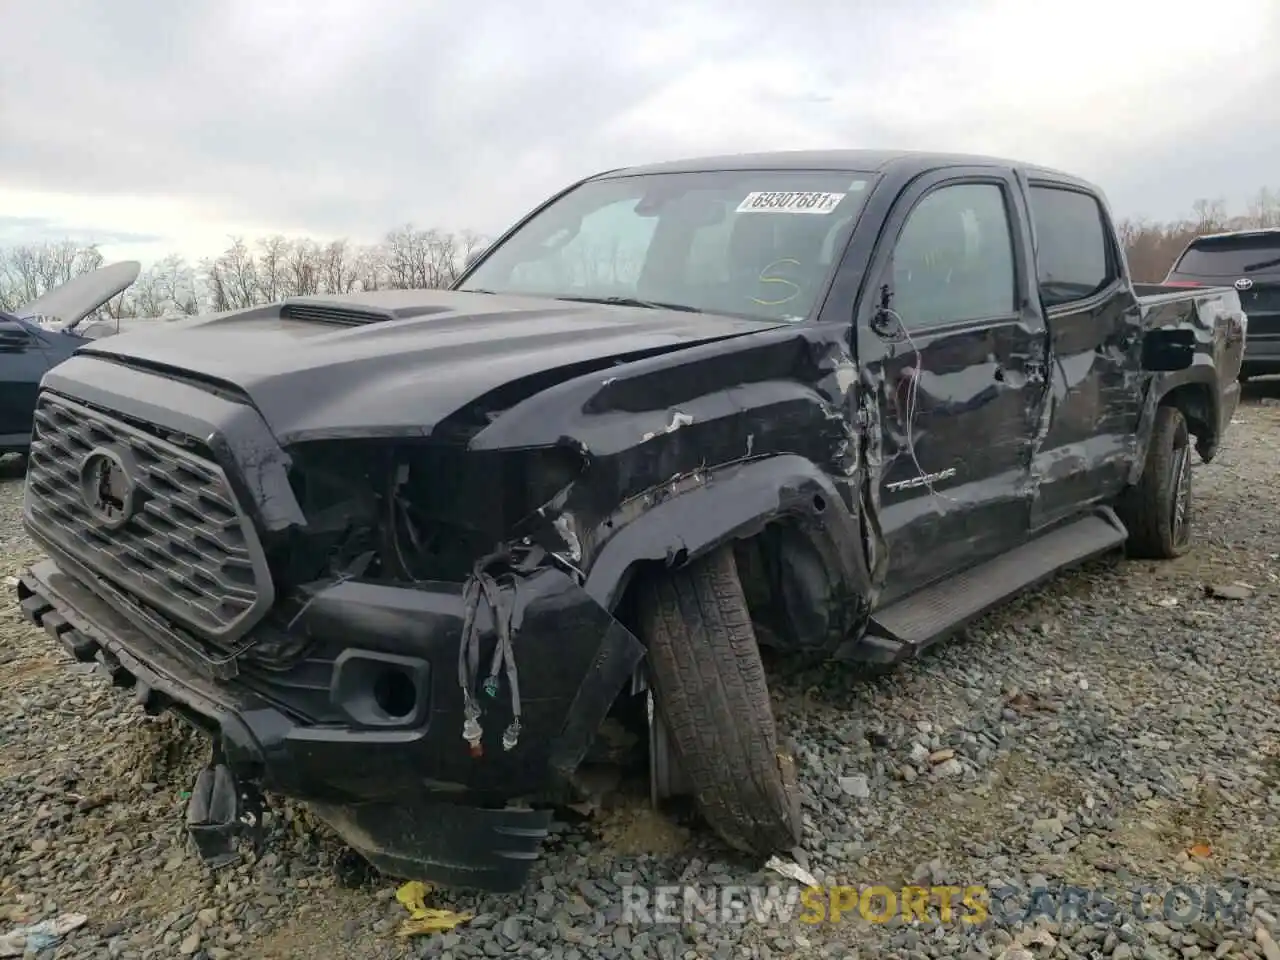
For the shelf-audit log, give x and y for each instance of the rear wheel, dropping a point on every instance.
(710, 687)
(1157, 510)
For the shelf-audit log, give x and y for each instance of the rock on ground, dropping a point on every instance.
(1117, 729)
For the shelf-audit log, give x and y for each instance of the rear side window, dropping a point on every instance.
(1074, 258)
(1230, 258)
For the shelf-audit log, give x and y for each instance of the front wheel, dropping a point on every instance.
(1157, 509)
(710, 687)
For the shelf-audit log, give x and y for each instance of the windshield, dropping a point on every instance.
(754, 243)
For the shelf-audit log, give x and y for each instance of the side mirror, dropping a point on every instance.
(1164, 351)
(885, 324)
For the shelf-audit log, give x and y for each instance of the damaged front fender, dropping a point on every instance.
(716, 444)
(697, 513)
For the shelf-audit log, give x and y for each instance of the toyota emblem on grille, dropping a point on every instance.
(1244, 283)
(107, 488)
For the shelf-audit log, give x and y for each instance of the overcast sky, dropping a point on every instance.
(155, 127)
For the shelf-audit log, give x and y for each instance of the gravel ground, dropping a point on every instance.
(1117, 729)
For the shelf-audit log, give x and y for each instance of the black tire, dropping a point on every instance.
(1157, 510)
(709, 684)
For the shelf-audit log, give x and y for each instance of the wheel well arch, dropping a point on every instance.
(1197, 403)
(792, 578)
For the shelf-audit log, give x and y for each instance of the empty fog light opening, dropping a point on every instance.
(394, 693)
(380, 689)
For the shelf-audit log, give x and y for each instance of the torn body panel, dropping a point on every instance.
(1086, 446)
(941, 498)
(685, 454)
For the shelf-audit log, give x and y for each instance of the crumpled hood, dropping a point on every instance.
(407, 359)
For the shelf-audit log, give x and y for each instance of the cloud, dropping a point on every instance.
(174, 126)
(22, 230)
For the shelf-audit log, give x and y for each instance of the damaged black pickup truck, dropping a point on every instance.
(403, 553)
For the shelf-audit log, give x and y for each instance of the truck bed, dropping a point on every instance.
(1152, 293)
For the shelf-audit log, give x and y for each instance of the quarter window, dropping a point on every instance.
(1074, 254)
(954, 258)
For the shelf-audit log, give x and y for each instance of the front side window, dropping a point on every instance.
(758, 244)
(953, 260)
(1073, 251)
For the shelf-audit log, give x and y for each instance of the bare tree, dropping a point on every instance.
(371, 268)
(1153, 248)
(28, 271)
(470, 244)
(271, 265)
(422, 259)
(1210, 216)
(168, 288)
(1264, 209)
(233, 278)
(302, 268)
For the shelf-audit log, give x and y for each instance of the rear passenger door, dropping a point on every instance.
(1094, 336)
(955, 372)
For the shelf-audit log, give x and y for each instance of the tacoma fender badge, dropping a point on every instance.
(924, 480)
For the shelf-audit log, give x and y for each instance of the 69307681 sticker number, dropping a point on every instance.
(789, 201)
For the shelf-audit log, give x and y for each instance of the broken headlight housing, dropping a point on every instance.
(420, 510)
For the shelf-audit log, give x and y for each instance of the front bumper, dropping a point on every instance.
(403, 791)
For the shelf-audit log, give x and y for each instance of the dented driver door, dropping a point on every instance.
(951, 340)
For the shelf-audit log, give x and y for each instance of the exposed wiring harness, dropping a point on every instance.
(913, 394)
(495, 581)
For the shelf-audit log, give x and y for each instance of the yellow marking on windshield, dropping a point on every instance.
(765, 278)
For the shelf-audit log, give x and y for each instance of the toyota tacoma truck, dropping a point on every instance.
(403, 554)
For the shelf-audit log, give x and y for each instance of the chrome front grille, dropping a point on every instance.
(158, 521)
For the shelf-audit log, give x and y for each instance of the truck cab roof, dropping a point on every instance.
(905, 163)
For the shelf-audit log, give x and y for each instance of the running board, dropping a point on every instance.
(909, 625)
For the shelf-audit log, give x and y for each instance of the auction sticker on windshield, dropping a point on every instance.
(775, 201)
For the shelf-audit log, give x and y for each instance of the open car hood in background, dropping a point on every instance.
(82, 295)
